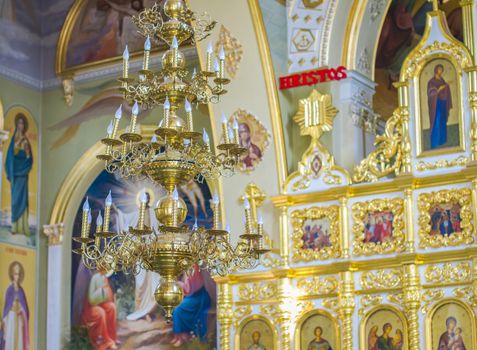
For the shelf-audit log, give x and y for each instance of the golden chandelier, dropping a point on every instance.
(175, 155)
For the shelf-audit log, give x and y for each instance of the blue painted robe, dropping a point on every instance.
(439, 103)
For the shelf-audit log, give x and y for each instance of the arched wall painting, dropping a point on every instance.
(384, 328)
(18, 212)
(102, 29)
(452, 326)
(126, 313)
(318, 331)
(440, 107)
(402, 29)
(256, 334)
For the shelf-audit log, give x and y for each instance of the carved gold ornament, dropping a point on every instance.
(448, 273)
(314, 216)
(467, 294)
(360, 211)
(272, 310)
(233, 50)
(258, 291)
(427, 202)
(317, 285)
(382, 279)
(368, 301)
(396, 298)
(430, 297)
(240, 312)
(442, 163)
(315, 116)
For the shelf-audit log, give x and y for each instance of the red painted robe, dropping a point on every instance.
(99, 313)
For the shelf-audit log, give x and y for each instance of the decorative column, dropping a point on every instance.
(345, 248)
(409, 224)
(412, 303)
(403, 95)
(468, 20)
(224, 314)
(55, 291)
(474, 201)
(285, 317)
(284, 236)
(353, 98)
(472, 78)
(346, 305)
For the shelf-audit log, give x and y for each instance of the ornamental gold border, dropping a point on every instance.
(255, 317)
(439, 304)
(426, 200)
(359, 211)
(362, 327)
(298, 217)
(310, 314)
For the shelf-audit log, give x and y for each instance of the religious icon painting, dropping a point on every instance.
(445, 218)
(18, 295)
(18, 211)
(451, 325)
(378, 226)
(253, 136)
(256, 333)
(317, 330)
(440, 125)
(110, 309)
(384, 328)
(316, 233)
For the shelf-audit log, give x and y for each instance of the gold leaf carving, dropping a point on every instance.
(270, 309)
(271, 261)
(381, 279)
(258, 291)
(368, 301)
(331, 303)
(442, 163)
(429, 297)
(468, 294)
(315, 213)
(240, 312)
(448, 273)
(426, 201)
(396, 298)
(360, 211)
(233, 50)
(317, 285)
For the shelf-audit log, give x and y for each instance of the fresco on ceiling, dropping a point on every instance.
(18, 211)
(27, 27)
(102, 30)
(118, 311)
(402, 30)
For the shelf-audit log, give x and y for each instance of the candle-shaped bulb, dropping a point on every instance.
(221, 53)
(194, 73)
(154, 139)
(126, 53)
(205, 137)
(110, 129)
(167, 104)
(260, 220)
(147, 44)
(215, 200)
(216, 66)
(109, 199)
(99, 219)
(135, 109)
(86, 206)
(188, 106)
(227, 228)
(90, 218)
(175, 44)
(224, 118)
(186, 142)
(195, 226)
(119, 112)
(143, 197)
(231, 134)
(175, 194)
(235, 125)
(209, 47)
(246, 204)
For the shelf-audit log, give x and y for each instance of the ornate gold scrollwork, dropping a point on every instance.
(368, 301)
(468, 294)
(429, 297)
(360, 211)
(233, 50)
(317, 285)
(258, 291)
(442, 163)
(240, 312)
(449, 273)
(382, 279)
(426, 201)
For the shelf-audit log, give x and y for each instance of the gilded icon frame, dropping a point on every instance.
(298, 218)
(425, 201)
(418, 115)
(360, 210)
(437, 306)
(363, 337)
(310, 314)
(251, 318)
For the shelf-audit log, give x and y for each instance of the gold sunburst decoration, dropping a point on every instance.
(315, 114)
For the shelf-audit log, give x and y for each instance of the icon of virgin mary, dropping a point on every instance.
(18, 165)
(440, 103)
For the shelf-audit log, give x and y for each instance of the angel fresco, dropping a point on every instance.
(385, 341)
(451, 339)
